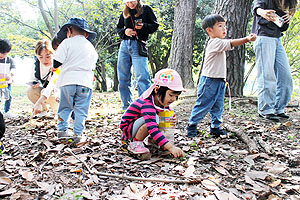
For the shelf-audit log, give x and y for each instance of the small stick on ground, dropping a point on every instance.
(244, 137)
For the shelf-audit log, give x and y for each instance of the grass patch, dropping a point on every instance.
(18, 90)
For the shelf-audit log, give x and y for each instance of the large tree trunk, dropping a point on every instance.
(237, 14)
(181, 58)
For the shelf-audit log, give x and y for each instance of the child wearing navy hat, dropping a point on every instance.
(77, 57)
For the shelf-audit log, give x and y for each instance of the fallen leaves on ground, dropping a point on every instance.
(36, 165)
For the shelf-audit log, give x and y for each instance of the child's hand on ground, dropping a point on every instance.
(176, 152)
(251, 37)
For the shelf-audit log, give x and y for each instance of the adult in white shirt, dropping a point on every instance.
(42, 90)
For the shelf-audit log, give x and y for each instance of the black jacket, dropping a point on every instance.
(263, 27)
(148, 18)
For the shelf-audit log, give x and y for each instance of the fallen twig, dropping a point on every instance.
(242, 136)
(265, 146)
(132, 178)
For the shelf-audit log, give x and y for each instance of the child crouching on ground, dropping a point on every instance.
(141, 118)
(211, 88)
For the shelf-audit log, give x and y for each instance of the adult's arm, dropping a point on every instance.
(121, 27)
(150, 25)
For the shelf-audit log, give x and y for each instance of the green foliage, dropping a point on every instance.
(291, 43)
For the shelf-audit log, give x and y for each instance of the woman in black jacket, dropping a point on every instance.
(136, 22)
(275, 84)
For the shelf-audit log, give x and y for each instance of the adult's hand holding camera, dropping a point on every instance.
(267, 14)
(130, 32)
(139, 25)
(287, 18)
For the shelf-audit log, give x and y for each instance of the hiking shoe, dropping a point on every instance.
(270, 117)
(137, 147)
(283, 115)
(67, 134)
(192, 131)
(1, 147)
(217, 132)
(79, 139)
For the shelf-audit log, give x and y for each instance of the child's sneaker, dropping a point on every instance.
(1, 147)
(138, 147)
(217, 132)
(67, 134)
(192, 131)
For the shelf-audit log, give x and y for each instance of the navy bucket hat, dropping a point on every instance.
(78, 22)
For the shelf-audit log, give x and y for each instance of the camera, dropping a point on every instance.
(138, 22)
(278, 20)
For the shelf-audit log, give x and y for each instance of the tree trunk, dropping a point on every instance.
(237, 14)
(151, 60)
(181, 58)
(116, 81)
(41, 8)
(56, 16)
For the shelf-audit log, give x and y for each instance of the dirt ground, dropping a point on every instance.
(259, 160)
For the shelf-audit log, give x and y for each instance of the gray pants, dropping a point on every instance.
(137, 124)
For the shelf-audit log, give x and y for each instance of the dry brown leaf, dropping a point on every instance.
(189, 171)
(257, 174)
(275, 183)
(133, 187)
(8, 192)
(277, 168)
(221, 170)
(5, 180)
(209, 185)
(75, 170)
(27, 175)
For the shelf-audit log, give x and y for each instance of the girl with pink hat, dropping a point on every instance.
(141, 118)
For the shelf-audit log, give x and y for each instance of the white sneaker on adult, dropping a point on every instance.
(9, 115)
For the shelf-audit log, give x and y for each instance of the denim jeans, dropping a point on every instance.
(8, 102)
(210, 94)
(74, 98)
(275, 84)
(129, 56)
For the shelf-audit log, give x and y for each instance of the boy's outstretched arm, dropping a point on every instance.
(241, 41)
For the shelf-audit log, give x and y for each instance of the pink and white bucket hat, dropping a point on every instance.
(167, 78)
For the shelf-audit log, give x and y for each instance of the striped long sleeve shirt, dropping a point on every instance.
(142, 108)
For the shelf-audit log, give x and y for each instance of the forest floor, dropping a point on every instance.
(259, 160)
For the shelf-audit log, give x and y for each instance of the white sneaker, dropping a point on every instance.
(9, 115)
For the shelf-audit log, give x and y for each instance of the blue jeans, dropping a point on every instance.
(8, 102)
(129, 56)
(74, 98)
(210, 94)
(275, 83)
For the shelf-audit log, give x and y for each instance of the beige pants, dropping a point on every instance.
(34, 94)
